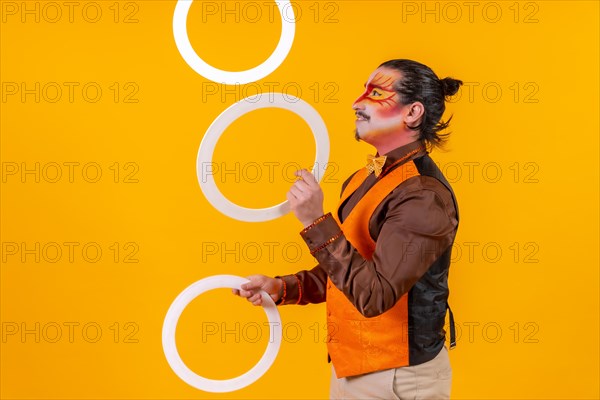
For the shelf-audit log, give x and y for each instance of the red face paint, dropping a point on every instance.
(380, 106)
(379, 91)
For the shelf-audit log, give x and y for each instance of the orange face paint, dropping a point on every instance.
(378, 110)
(380, 90)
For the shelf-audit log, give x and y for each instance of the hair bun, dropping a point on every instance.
(450, 86)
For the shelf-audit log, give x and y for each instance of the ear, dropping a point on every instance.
(414, 114)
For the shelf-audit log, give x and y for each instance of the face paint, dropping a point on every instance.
(380, 90)
(378, 109)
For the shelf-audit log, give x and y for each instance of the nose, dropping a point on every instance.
(358, 104)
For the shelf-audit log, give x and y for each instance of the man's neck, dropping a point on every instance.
(390, 144)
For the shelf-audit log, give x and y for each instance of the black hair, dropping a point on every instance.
(420, 83)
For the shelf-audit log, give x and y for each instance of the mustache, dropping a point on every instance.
(362, 114)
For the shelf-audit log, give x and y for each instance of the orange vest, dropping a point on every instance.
(356, 344)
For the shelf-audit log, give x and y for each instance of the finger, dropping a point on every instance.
(298, 175)
(250, 285)
(258, 302)
(291, 200)
(246, 293)
(235, 292)
(303, 186)
(307, 177)
(298, 194)
(254, 297)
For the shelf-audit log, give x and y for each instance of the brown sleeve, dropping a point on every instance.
(416, 231)
(305, 287)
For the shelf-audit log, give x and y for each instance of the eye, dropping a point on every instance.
(375, 92)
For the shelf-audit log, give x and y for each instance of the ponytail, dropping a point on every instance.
(450, 86)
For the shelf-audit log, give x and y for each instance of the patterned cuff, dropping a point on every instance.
(284, 292)
(291, 290)
(315, 222)
(320, 234)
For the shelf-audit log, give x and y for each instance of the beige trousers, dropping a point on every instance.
(430, 380)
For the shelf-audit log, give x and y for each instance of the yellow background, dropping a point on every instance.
(528, 318)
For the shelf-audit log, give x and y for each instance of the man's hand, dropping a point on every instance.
(306, 198)
(251, 290)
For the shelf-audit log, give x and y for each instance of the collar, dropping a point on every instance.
(402, 151)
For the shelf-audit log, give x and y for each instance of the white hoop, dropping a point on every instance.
(288, 27)
(212, 385)
(227, 117)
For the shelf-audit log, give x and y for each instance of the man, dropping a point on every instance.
(384, 254)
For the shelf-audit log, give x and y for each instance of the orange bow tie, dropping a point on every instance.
(375, 164)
